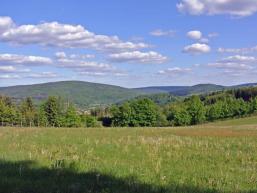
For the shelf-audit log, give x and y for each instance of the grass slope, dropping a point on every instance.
(202, 159)
(83, 94)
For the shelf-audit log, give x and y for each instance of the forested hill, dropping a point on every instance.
(189, 90)
(86, 94)
(82, 94)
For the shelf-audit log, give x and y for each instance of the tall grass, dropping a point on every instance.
(196, 159)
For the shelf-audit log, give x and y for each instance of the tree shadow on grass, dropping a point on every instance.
(26, 177)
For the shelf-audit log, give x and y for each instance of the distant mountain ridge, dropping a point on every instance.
(87, 94)
(83, 94)
(189, 90)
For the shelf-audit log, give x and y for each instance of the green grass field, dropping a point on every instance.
(213, 158)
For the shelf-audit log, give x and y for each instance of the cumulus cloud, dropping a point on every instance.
(160, 32)
(197, 48)
(12, 63)
(195, 35)
(14, 59)
(138, 57)
(5, 24)
(83, 66)
(61, 35)
(235, 63)
(239, 8)
(88, 66)
(174, 71)
(238, 50)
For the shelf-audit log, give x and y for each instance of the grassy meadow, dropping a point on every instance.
(212, 158)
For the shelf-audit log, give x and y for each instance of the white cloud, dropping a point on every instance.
(138, 57)
(14, 59)
(235, 63)
(231, 66)
(7, 69)
(75, 62)
(62, 35)
(12, 63)
(238, 50)
(9, 76)
(213, 35)
(204, 40)
(197, 48)
(214, 7)
(92, 73)
(82, 56)
(60, 55)
(160, 32)
(82, 66)
(5, 24)
(239, 59)
(12, 69)
(175, 71)
(42, 75)
(195, 35)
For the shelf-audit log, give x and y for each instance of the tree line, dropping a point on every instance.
(139, 112)
(51, 113)
(192, 110)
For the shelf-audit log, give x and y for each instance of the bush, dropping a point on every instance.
(90, 121)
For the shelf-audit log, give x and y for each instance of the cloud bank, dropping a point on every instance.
(239, 8)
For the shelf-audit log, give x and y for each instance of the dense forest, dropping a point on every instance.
(145, 111)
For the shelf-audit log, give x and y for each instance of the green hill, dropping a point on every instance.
(83, 94)
(86, 94)
(189, 90)
(182, 90)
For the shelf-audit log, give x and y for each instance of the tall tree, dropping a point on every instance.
(28, 111)
(196, 110)
(51, 111)
(72, 119)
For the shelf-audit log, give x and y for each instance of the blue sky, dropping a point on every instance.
(128, 43)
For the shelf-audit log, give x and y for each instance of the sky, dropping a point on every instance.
(128, 43)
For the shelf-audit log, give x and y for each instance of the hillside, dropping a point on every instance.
(86, 94)
(83, 94)
(189, 90)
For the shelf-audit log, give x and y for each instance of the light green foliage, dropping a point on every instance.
(141, 112)
(144, 113)
(214, 111)
(196, 110)
(28, 111)
(72, 119)
(41, 118)
(89, 121)
(253, 105)
(178, 115)
(122, 115)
